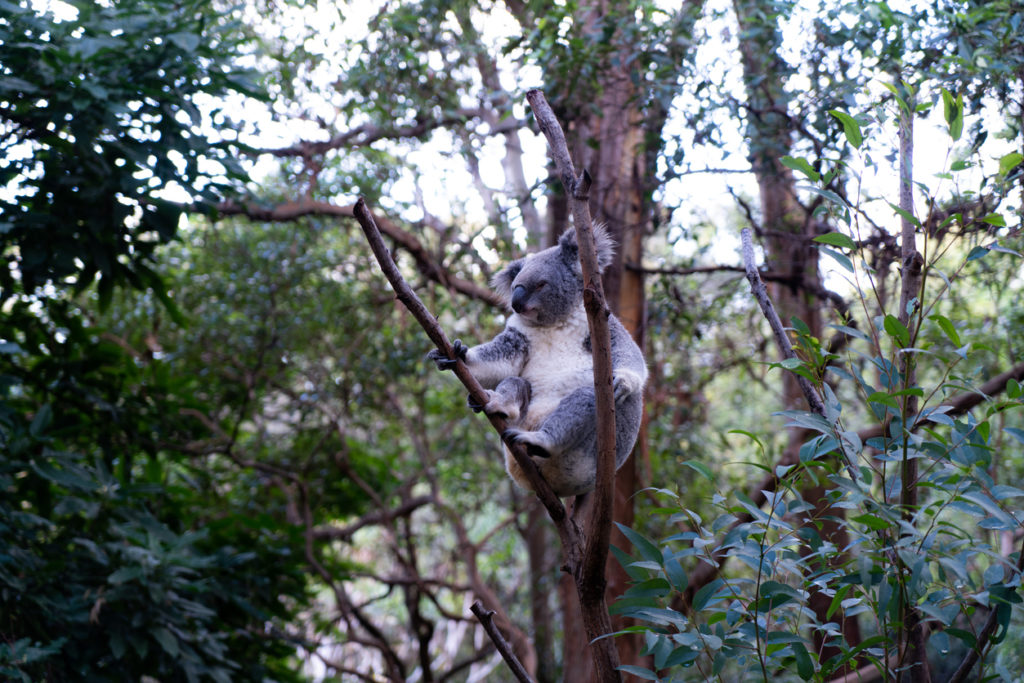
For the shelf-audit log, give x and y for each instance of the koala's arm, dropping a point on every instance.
(629, 370)
(503, 356)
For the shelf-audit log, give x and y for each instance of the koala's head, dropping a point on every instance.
(545, 288)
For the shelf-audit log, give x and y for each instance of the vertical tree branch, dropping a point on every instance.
(590, 579)
(910, 288)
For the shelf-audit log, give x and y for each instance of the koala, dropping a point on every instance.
(539, 371)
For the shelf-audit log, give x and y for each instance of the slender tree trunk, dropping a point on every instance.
(910, 288)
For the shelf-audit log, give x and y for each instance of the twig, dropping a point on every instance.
(761, 294)
(484, 615)
(295, 210)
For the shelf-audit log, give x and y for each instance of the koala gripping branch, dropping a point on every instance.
(433, 329)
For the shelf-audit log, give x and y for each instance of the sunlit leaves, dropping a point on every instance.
(851, 127)
(953, 111)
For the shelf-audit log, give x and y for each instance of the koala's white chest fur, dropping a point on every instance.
(557, 363)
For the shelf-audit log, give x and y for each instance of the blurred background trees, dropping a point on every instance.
(223, 455)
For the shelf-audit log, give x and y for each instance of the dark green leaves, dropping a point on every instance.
(102, 104)
(837, 239)
(897, 330)
(802, 165)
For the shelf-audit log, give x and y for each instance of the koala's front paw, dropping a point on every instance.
(626, 383)
(444, 362)
(537, 443)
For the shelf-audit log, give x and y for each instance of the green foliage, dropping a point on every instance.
(114, 558)
(120, 556)
(938, 558)
(101, 129)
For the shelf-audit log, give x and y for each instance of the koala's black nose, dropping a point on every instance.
(519, 297)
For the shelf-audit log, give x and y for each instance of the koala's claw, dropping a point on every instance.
(444, 362)
(625, 384)
(477, 407)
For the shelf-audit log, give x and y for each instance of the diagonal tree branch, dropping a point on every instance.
(433, 329)
(486, 619)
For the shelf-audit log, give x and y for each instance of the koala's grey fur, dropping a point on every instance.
(540, 374)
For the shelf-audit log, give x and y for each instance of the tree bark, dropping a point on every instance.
(913, 626)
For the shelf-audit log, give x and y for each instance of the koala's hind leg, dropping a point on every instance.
(569, 428)
(509, 399)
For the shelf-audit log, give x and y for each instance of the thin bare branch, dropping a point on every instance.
(485, 617)
(778, 329)
(344, 533)
(589, 575)
(367, 134)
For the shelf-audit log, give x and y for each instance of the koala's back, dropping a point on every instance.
(559, 361)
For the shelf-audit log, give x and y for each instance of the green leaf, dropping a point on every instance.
(977, 253)
(837, 599)
(837, 239)
(802, 165)
(647, 549)
(167, 640)
(897, 330)
(1009, 162)
(850, 127)
(639, 672)
(41, 420)
(903, 213)
(1013, 388)
(873, 522)
(804, 664)
(841, 259)
(676, 574)
(953, 110)
(994, 219)
(947, 327)
(700, 468)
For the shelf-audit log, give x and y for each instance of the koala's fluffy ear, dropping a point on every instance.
(502, 281)
(603, 243)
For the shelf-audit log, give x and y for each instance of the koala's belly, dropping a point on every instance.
(552, 379)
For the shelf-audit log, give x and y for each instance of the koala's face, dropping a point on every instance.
(545, 288)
